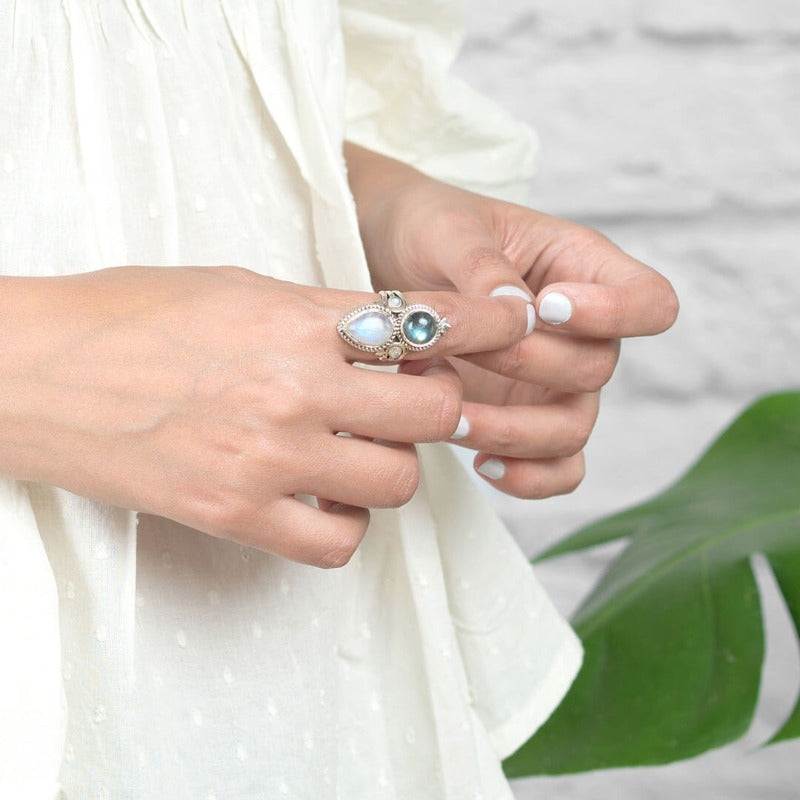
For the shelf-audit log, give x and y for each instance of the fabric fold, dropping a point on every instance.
(403, 101)
(33, 713)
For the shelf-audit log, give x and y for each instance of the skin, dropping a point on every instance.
(532, 404)
(182, 392)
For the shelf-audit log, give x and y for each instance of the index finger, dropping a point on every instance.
(428, 324)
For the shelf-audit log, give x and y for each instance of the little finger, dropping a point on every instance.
(319, 537)
(531, 478)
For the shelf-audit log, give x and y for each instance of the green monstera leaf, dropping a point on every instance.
(673, 632)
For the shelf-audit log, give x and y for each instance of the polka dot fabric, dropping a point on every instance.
(143, 659)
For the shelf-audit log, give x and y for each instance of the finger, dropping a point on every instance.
(476, 323)
(477, 268)
(359, 472)
(564, 362)
(641, 304)
(420, 404)
(321, 538)
(531, 479)
(555, 430)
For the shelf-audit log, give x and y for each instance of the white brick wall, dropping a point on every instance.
(673, 127)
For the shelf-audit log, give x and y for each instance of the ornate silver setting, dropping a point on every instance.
(388, 329)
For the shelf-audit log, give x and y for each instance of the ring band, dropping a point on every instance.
(388, 329)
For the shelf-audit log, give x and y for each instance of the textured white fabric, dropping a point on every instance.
(207, 132)
(401, 101)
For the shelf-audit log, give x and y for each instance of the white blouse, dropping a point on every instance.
(140, 659)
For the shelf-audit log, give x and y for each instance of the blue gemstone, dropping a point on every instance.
(419, 327)
(371, 328)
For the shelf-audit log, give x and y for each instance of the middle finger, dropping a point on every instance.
(554, 430)
(558, 360)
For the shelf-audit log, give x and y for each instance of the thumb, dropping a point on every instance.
(486, 271)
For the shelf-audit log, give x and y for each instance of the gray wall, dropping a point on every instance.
(674, 128)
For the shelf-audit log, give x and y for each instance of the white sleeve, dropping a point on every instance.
(403, 101)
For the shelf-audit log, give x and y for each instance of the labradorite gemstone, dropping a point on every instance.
(419, 327)
(371, 328)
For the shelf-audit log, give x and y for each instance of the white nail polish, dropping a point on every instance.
(510, 291)
(555, 308)
(531, 319)
(494, 469)
(515, 291)
(463, 428)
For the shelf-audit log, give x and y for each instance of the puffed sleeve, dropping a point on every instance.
(404, 101)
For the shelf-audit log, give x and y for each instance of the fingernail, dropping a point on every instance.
(515, 291)
(531, 319)
(555, 308)
(463, 428)
(510, 291)
(493, 469)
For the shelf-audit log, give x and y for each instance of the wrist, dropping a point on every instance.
(375, 180)
(38, 319)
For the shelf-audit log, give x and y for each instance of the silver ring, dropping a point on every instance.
(388, 329)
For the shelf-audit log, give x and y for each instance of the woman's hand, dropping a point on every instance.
(213, 396)
(530, 407)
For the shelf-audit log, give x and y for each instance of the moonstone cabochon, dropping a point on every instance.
(371, 327)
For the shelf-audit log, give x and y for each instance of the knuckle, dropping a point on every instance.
(574, 476)
(335, 547)
(574, 437)
(234, 272)
(570, 476)
(289, 400)
(504, 438)
(337, 554)
(514, 320)
(598, 368)
(403, 482)
(614, 315)
(512, 361)
(448, 414)
(230, 515)
(479, 260)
